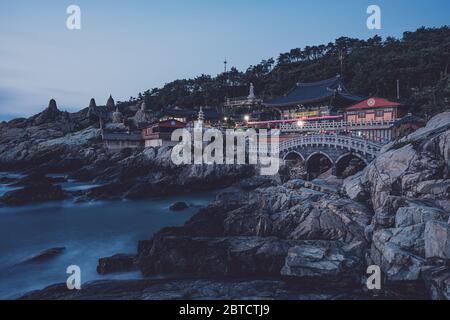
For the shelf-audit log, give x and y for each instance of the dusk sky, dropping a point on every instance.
(125, 47)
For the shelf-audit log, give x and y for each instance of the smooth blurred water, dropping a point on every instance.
(89, 231)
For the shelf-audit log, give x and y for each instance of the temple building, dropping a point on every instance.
(376, 118)
(374, 109)
(317, 99)
(327, 107)
(160, 134)
(210, 115)
(115, 140)
(120, 132)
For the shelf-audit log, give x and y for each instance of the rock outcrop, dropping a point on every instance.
(151, 173)
(111, 104)
(51, 114)
(278, 231)
(118, 263)
(193, 289)
(408, 186)
(326, 262)
(36, 189)
(24, 142)
(437, 240)
(46, 255)
(179, 206)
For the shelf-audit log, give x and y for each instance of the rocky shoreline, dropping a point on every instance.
(295, 239)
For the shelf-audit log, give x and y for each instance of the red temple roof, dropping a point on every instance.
(373, 103)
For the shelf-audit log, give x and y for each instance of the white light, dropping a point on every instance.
(225, 119)
(300, 123)
(247, 118)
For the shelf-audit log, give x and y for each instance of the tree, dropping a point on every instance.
(420, 60)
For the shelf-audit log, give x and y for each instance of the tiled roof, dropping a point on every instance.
(305, 93)
(373, 103)
(122, 136)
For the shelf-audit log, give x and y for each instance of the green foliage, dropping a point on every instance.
(419, 60)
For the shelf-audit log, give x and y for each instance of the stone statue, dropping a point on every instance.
(117, 116)
(251, 95)
(142, 116)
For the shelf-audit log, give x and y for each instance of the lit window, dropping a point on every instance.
(361, 115)
(380, 114)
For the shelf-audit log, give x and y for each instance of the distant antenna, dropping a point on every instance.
(225, 65)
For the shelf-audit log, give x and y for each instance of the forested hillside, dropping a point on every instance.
(419, 60)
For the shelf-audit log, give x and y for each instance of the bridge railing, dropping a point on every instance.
(337, 125)
(354, 144)
(335, 141)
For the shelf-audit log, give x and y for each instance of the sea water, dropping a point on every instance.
(88, 231)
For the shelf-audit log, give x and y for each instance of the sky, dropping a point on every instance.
(126, 47)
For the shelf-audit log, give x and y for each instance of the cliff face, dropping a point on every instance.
(28, 143)
(408, 186)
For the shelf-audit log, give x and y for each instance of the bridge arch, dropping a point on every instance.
(321, 152)
(293, 155)
(318, 163)
(352, 154)
(344, 161)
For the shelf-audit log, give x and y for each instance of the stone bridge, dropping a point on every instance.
(336, 150)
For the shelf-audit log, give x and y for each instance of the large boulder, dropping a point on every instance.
(179, 206)
(325, 261)
(412, 215)
(297, 213)
(399, 252)
(117, 263)
(232, 256)
(437, 280)
(437, 240)
(417, 166)
(35, 193)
